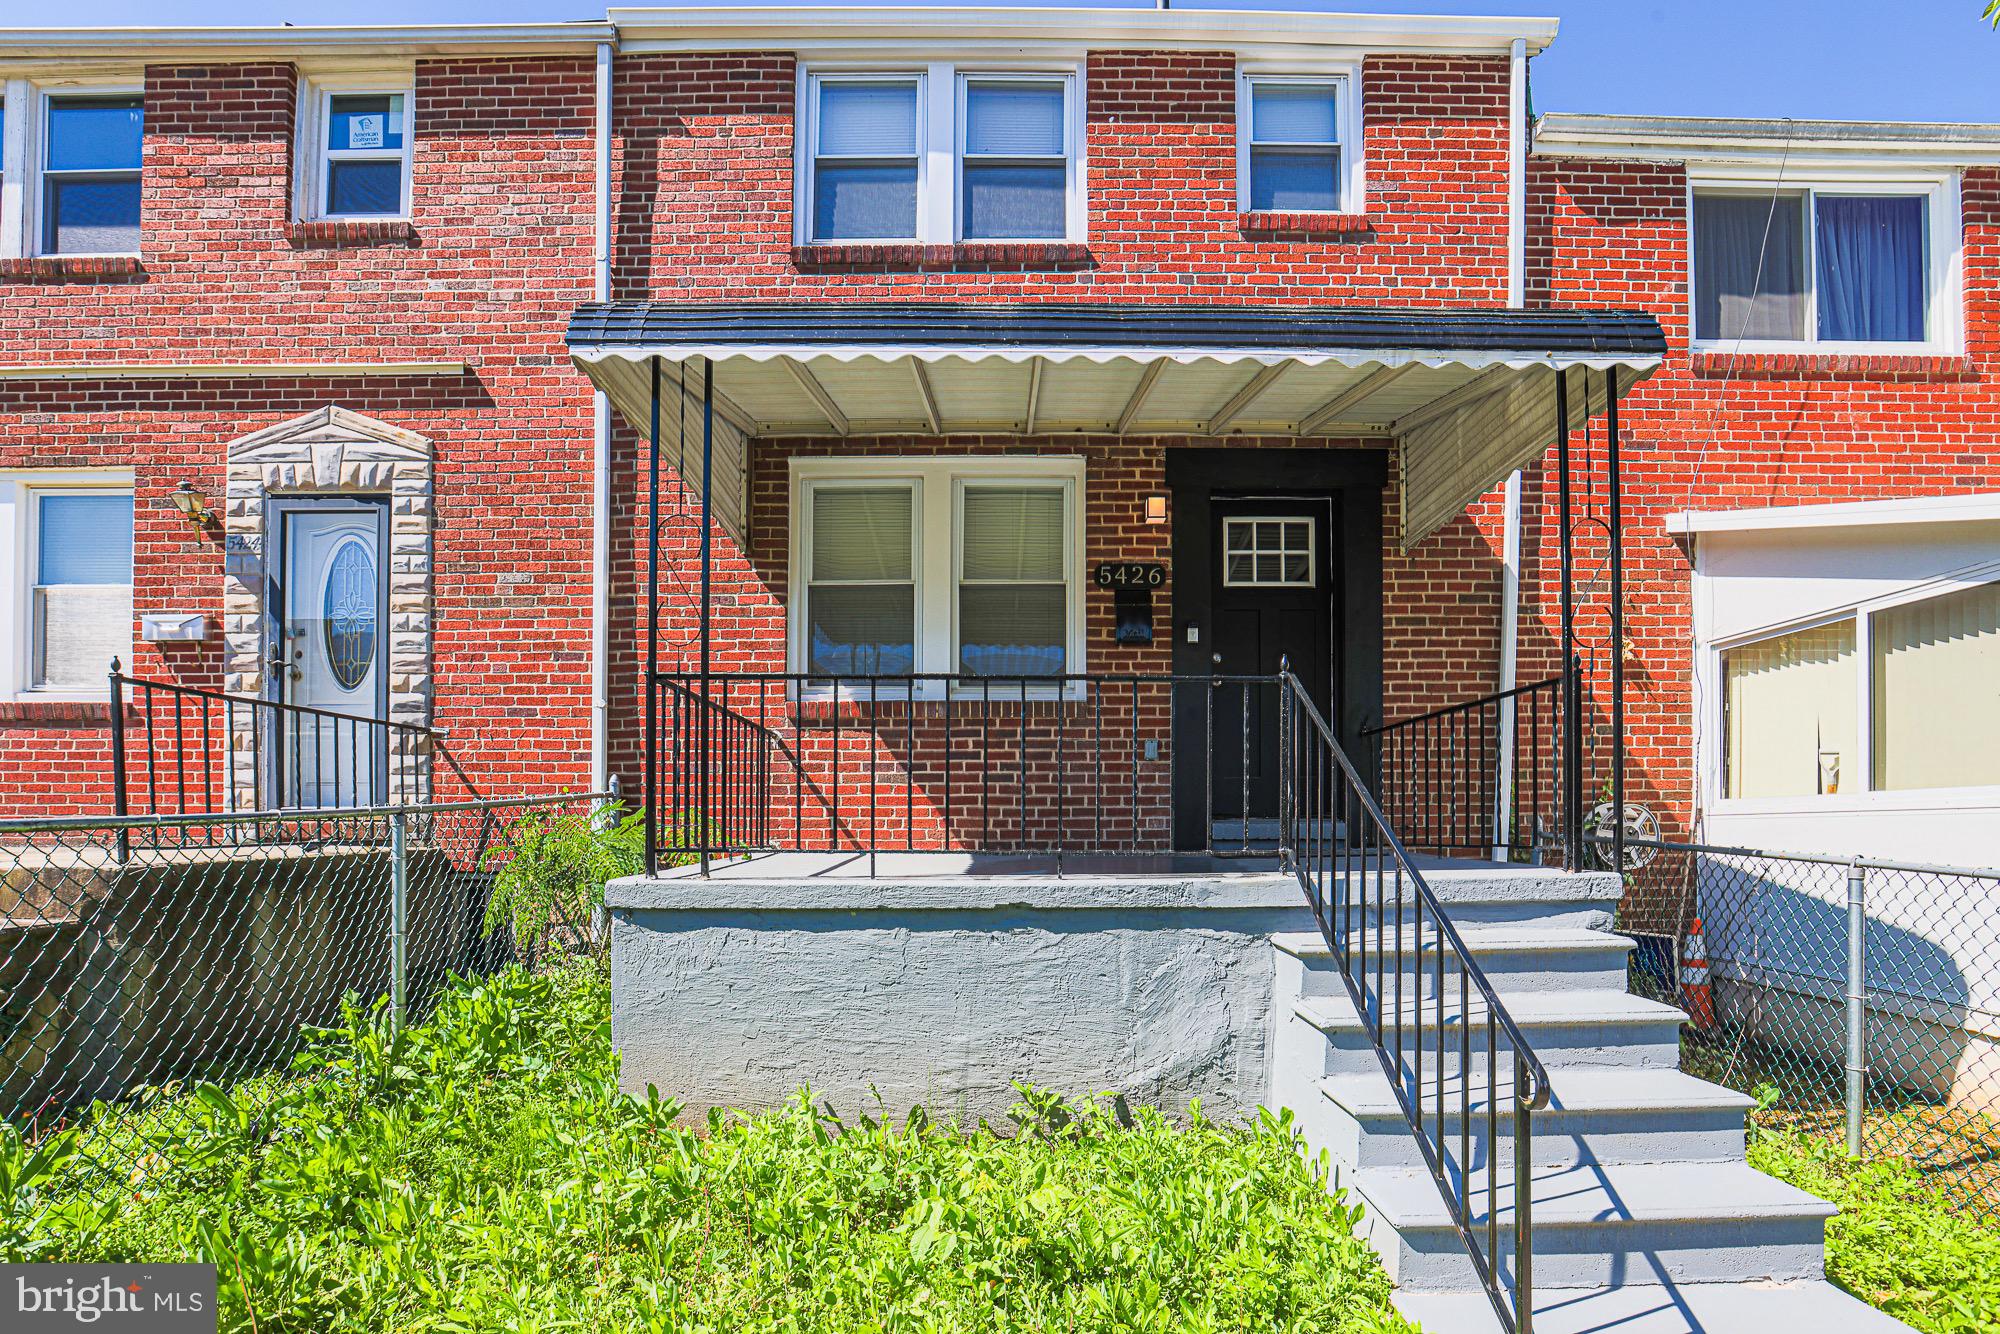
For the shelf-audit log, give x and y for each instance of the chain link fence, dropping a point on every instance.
(1858, 999)
(140, 956)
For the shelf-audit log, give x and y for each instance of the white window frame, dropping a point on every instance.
(20, 511)
(940, 147)
(1253, 551)
(312, 160)
(1351, 178)
(28, 147)
(1943, 254)
(1862, 793)
(939, 486)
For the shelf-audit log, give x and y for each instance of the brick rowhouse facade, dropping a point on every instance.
(499, 249)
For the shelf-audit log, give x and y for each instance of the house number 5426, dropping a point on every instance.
(1131, 574)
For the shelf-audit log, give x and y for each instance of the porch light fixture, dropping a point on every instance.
(192, 504)
(1156, 508)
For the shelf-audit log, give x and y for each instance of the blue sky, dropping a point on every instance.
(1854, 59)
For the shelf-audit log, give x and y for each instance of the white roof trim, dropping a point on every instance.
(822, 28)
(1977, 508)
(263, 370)
(162, 43)
(1710, 139)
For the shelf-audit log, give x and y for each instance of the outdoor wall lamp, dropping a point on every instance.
(1156, 508)
(192, 504)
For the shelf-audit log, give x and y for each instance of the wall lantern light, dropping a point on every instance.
(1156, 508)
(192, 504)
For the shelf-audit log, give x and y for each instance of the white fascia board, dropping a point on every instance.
(1979, 508)
(261, 370)
(25, 46)
(819, 30)
(1800, 143)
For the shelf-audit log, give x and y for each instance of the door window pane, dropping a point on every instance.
(861, 598)
(1870, 251)
(1013, 600)
(1789, 707)
(1749, 266)
(1936, 692)
(1276, 553)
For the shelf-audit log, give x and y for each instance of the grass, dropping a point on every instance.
(482, 1171)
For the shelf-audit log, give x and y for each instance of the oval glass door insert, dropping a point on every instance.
(349, 606)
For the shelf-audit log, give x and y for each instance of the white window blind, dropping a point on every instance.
(1013, 601)
(1936, 691)
(861, 592)
(1294, 158)
(1790, 706)
(82, 594)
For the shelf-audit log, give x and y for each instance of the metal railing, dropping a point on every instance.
(1486, 777)
(183, 750)
(1028, 765)
(1422, 998)
(1859, 997)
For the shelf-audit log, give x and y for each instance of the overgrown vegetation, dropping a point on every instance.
(1898, 1244)
(550, 874)
(483, 1171)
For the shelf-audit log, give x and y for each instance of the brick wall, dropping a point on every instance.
(1717, 432)
(498, 254)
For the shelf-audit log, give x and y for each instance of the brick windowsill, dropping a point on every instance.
(968, 254)
(349, 234)
(55, 712)
(1304, 226)
(1919, 368)
(72, 269)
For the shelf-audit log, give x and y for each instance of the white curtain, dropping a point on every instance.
(1937, 692)
(1790, 714)
(1749, 266)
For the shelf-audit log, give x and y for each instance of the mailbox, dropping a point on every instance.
(172, 627)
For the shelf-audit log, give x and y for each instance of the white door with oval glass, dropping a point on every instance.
(328, 658)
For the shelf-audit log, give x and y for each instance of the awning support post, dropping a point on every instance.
(1572, 692)
(1617, 622)
(707, 563)
(649, 786)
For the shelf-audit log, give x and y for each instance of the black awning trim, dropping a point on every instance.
(1612, 333)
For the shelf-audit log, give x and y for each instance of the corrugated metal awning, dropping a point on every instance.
(1469, 393)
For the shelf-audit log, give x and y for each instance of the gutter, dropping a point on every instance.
(156, 43)
(600, 455)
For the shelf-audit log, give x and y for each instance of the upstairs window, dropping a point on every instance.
(1813, 266)
(865, 164)
(1292, 151)
(80, 601)
(939, 156)
(91, 152)
(355, 151)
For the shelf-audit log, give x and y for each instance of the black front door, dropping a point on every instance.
(1271, 593)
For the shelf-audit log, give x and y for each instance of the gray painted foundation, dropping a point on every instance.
(945, 989)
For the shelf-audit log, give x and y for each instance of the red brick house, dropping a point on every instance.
(321, 279)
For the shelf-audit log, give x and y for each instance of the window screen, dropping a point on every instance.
(366, 138)
(1294, 147)
(1790, 714)
(1013, 601)
(861, 592)
(90, 179)
(865, 166)
(1015, 174)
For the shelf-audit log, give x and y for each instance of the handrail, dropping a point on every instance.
(1463, 706)
(1330, 828)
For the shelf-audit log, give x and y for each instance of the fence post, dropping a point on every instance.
(399, 917)
(1857, 1004)
(121, 797)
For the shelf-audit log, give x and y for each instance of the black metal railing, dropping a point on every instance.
(1426, 1005)
(179, 750)
(1031, 765)
(1488, 778)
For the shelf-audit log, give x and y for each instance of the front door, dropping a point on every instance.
(1271, 601)
(328, 655)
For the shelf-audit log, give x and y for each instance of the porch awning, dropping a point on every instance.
(1468, 393)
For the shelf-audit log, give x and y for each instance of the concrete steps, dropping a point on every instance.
(1647, 1219)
